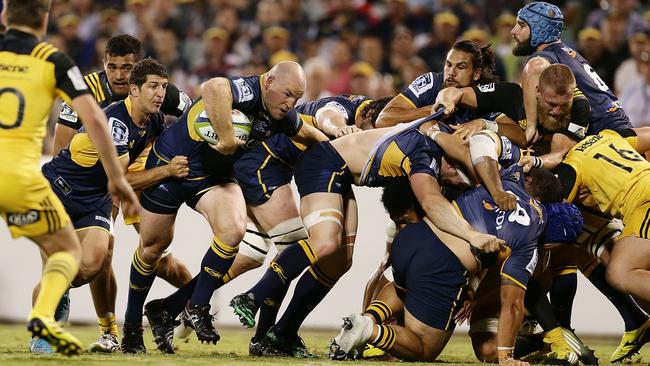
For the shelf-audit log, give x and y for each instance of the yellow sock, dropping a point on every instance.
(58, 272)
(108, 324)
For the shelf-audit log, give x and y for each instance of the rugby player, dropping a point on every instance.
(264, 175)
(34, 73)
(210, 189)
(466, 65)
(537, 34)
(76, 174)
(430, 274)
(110, 85)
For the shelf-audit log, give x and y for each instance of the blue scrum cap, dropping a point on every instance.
(563, 224)
(545, 21)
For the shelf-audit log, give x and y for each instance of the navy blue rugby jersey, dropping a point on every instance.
(182, 139)
(77, 171)
(521, 228)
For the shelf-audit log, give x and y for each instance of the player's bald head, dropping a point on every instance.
(289, 72)
(285, 83)
(29, 13)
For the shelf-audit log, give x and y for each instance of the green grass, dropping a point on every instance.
(231, 350)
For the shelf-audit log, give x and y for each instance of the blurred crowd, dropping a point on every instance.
(370, 47)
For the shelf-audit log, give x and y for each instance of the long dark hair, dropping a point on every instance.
(482, 58)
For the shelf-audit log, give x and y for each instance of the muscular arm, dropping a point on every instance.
(438, 209)
(144, 178)
(511, 130)
(399, 110)
(530, 81)
(330, 120)
(510, 318)
(309, 134)
(62, 137)
(217, 98)
(560, 146)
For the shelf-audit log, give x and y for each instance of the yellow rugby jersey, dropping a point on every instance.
(600, 171)
(32, 75)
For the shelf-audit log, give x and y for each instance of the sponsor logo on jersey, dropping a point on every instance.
(421, 84)
(487, 88)
(23, 218)
(102, 219)
(592, 140)
(77, 79)
(577, 130)
(14, 68)
(244, 90)
(339, 107)
(434, 166)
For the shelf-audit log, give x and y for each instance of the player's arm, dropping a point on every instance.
(177, 168)
(638, 137)
(484, 150)
(218, 99)
(444, 216)
(308, 134)
(400, 109)
(530, 81)
(451, 145)
(332, 122)
(62, 137)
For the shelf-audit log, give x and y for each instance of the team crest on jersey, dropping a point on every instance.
(506, 150)
(486, 88)
(244, 90)
(569, 51)
(421, 84)
(488, 206)
(23, 218)
(119, 132)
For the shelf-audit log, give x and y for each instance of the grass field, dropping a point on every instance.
(231, 350)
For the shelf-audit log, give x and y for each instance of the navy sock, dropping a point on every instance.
(140, 281)
(176, 302)
(632, 315)
(282, 271)
(563, 291)
(214, 271)
(538, 305)
(268, 313)
(311, 289)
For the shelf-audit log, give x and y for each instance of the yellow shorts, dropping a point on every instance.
(28, 204)
(136, 166)
(637, 222)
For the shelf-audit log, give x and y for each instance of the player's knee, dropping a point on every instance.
(485, 348)
(232, 232)
(616, 276)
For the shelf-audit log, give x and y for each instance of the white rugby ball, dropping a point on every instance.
(240, 123)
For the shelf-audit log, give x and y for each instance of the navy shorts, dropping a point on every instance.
(322, 169)
(431, 274)
(86, 213)
(168, 196)
(259, 174)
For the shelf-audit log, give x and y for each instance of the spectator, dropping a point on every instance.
(629, 70)
(445, 32)
(635, 98)
(590, 46)
(317, 71)
(362, 77)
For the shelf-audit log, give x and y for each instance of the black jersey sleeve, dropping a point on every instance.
(69, 81)
(176, 102)
(507, 98)
(580, 118)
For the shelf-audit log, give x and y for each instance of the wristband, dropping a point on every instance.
(537, 162)
(432, 132)
(505, 353)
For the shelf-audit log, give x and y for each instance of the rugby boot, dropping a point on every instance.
(106, 343)
(561, 352)
(132, 340)
(200, 319)
(245, 308)
(50, 331)
(355, 332)
(162, 325)
(631, 343)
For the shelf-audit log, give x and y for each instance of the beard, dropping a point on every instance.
(523, 48)
(552, 124)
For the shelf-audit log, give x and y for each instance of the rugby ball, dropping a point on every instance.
(240, 123)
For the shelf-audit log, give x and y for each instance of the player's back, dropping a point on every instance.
(606, 110)
(29, 70)
(607, 169)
